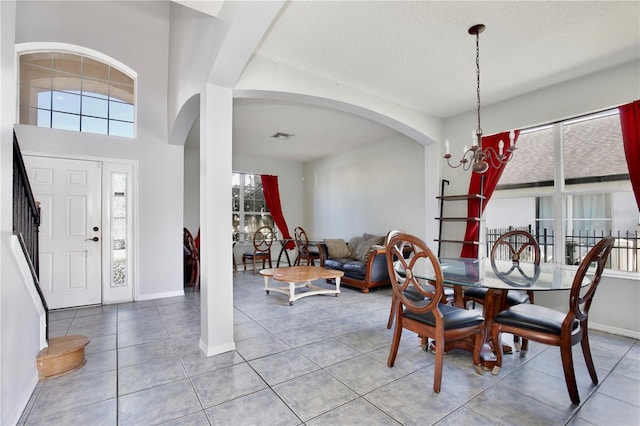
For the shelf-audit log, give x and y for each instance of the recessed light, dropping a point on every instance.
(282, 136)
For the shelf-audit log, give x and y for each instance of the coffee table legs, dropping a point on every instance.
(290, 290)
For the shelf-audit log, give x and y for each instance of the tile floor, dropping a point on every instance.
(321, 361)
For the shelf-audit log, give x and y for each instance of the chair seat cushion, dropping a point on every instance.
(514, 297)
(249, 255)
(453, 317)
(533, 317)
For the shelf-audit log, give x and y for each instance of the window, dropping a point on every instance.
(571, 179)
(249, 208)
(119, 232)
(63, 90)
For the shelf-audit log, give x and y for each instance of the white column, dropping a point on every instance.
(216, 288)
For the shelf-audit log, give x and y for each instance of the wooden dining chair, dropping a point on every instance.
(410, 292)
(428, 317)
(514, 246)
(191, 259)
(556, 328)
(263, 239)
(302, 244)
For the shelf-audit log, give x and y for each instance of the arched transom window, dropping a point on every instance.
(63, 90)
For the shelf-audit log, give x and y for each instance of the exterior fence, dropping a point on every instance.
(625, 255)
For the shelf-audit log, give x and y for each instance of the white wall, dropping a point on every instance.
(19, 345)
(615, 308)
(124, 30)
(373, 188)
(191, 212)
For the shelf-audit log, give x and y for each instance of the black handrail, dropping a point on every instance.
(26, 221)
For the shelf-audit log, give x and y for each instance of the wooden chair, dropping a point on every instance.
(191, 259)
(263, 239)
(555, 328)
(411, 292)
(302, 243)
(427, 317)
(514, 246)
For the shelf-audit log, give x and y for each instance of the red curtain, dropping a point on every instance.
(272, 198)
(491, 178)
(630, 121)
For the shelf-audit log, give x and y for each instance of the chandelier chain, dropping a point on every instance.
(479, 131)
(479, 158)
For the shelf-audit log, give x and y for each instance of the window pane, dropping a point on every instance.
(95, 88)
(120, 128)
(601, 138)
(532, 162)
(35, 76)
(94, 107)
(119, 207)
(95, 69)
(118, 76)
(67, 62)
(66, 82)
(94, 125)
(120, 111)
(44, 100)
(122, 92)
(66, 102)
(65, 121)
(41, 59)
(235, 199)
(44, 118)
(29, 116)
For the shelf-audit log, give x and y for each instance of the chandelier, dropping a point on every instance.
(479, 158)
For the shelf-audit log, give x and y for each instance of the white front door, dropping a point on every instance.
(69, 192)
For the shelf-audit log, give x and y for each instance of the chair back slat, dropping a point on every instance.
(581, 297)
(263, 238)
(412, 271)
(516, 246)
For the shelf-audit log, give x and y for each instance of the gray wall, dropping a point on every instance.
(373, 188)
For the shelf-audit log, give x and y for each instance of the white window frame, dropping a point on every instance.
(35, 47)
(561, 195)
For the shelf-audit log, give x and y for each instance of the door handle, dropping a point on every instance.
(96, 239)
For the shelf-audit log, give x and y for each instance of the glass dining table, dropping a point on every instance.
(498, 277)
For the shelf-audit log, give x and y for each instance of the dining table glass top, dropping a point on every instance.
(506, 275)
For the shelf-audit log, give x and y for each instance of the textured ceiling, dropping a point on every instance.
(419, 54)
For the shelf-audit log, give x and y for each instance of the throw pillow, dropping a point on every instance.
(337, 248)
(366, 244)
(353, 246)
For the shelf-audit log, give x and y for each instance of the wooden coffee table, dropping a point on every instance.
(299, 277)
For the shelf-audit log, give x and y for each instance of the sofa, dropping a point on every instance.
(362, 260)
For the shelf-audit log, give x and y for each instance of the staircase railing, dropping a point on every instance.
(26, 220)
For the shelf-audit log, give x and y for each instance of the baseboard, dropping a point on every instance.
(615, 330)
(161, 295)
(23, 401)
(216, 349)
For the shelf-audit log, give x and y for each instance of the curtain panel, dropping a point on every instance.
(630, 123)
(487, 185)
(272, 198)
